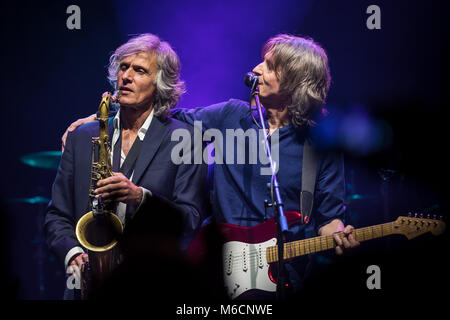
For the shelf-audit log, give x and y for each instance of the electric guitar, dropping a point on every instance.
(249, 252)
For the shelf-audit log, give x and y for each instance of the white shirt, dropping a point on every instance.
(121, 207)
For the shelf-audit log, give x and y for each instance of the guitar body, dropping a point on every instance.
(245, 267)
(248, 254)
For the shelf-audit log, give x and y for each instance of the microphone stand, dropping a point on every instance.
(277, 205)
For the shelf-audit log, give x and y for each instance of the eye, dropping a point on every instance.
(140, 70)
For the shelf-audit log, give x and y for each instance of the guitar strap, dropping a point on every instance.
(309, 169)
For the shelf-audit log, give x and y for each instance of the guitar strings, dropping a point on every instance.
(255, 257)
(310, 245)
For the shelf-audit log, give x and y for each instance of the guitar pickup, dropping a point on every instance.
(244, 259)
(229, 263)
(260, 260)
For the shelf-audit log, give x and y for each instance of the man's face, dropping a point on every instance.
(135, 80)
(268, 82)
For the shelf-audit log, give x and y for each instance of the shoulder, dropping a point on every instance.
(89, 127)
(86, 130)
(236, 105)
(230, 111)
(331, 161)
(229, 106)
(172, 124)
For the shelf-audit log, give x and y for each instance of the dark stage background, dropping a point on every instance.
(386, 103)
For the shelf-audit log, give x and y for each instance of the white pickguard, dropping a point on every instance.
(246, 267)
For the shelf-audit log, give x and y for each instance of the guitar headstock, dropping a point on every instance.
(414, 226)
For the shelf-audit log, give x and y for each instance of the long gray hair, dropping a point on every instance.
(304, 75)
(169, 87)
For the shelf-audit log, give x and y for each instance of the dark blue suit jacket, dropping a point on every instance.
(183, 185)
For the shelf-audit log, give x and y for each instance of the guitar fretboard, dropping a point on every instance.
(302, 247)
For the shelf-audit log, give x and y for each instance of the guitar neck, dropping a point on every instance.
(317, 244)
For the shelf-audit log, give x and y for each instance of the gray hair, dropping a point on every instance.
(304, 75)
(169, 87)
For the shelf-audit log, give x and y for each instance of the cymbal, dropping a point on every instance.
(357, 196)
(45, 159)
(33, 200)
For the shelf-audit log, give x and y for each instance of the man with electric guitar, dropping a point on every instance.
(293, 81)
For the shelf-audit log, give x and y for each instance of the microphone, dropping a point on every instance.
(250, 79)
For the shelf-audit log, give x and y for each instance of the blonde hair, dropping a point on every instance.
(169, 87)
(304, 76)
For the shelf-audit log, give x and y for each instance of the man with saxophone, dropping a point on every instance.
(145, 72)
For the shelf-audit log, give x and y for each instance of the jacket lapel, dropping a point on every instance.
(150, 145)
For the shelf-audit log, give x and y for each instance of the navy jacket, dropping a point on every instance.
(183, 185)
(239, 190)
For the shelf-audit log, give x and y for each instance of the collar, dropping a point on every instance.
(142, 130)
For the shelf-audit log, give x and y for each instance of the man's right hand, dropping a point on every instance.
(79, 261)
(75, 125)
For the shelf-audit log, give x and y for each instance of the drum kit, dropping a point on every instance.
(43, 260)
(44, 160)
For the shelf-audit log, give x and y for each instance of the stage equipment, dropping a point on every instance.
(251, 80)
(44, 160)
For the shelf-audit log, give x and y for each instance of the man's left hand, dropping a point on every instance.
(119, 188)
(346, 242)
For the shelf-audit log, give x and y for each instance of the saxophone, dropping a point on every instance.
(99, 229)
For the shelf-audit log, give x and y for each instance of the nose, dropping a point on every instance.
(127, 75)
(258, 69)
